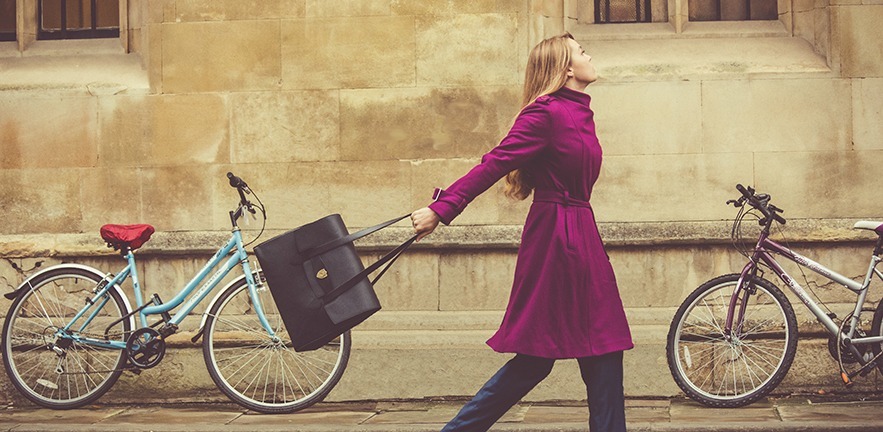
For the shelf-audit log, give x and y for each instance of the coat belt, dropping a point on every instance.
(559, 197)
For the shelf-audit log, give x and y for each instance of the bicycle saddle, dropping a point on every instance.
(125, 237)
(877, 227)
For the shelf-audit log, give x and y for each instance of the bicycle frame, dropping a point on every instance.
(763, 253)
(239, 256)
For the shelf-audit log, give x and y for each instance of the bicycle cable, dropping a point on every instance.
(263, 210)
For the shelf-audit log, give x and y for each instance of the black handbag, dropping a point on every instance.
(318, 281)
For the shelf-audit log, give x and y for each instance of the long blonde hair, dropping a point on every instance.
(545, 73)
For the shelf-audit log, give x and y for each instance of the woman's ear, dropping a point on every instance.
(570, 72)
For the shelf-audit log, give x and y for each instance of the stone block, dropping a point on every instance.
(491, 207)
(821, 184)
(48, 132)
(152, 57)
(40, 200)
(867, 114)
(363, 193)
(482, 49)
(662, 277)
(424, 123)
(349, 52)
(452, 7)
(475, 282)
(776, 115)
(214, 10)
(111, 195)
(178, 198)
(411, 284)
(861, 40)
(204, 57)
(668, 115)
(164, 130)
(13, 271)
(168, 278)
(285, 126)
(638, 188)
(188, 129)
(353, 8)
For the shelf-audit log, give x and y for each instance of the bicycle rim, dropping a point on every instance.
(736, 371)
(262, 374)
(79, 374)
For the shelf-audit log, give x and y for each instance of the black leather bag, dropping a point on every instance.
(318, 281)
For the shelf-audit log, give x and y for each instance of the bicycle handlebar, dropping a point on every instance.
(243, 189)
(761, 202)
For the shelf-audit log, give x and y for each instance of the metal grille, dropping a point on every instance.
(7, 20)
(622, 11)
(79, 19)
(733, 10)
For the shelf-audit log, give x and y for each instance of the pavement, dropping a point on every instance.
(793, 413)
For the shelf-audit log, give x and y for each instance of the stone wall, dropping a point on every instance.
(362, 107)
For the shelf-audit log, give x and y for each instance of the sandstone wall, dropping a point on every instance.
(362, 107)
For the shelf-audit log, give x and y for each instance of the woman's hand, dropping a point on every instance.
(424, 220)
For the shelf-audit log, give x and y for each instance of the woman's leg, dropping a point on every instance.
(514, 380)
(603, 377)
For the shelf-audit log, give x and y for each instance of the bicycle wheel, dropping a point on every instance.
(260, 373)
(729, 372)
(39, 364)
(877, 330)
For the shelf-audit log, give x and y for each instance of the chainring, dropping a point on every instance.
(146, 348)
(846, 355)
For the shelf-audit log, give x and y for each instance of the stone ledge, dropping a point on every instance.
(499, 237)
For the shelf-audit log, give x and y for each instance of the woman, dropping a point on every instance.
(564, 301)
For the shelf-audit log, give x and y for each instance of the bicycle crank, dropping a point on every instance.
(146, 348)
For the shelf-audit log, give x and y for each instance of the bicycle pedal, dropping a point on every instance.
(846, 381)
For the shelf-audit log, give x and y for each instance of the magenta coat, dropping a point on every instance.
(564, 301)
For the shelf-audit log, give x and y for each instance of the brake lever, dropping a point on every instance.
(737, 202)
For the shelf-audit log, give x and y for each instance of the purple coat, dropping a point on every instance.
(564, 301)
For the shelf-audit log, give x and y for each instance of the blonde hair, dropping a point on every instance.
(545, 73)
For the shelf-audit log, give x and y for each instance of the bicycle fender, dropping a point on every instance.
(73, 266)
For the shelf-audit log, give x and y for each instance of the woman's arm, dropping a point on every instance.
(526, 140)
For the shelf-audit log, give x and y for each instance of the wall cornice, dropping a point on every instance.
(500, 237)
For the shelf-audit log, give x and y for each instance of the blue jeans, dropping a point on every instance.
(602, 375)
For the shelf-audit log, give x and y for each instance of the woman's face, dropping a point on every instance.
(581, 72)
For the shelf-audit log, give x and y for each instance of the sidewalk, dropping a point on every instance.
(786, 414)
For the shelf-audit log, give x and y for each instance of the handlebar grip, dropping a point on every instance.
(236, 181)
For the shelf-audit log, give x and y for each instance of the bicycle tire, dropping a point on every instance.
(88, 372)
(877, 330)
(261, 374)
(768, 341)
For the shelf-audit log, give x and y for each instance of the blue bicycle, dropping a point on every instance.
(71, 331)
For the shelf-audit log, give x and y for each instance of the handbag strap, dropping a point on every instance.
(319, 250)
(387, 259)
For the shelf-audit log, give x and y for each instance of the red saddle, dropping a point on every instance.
(124, 237)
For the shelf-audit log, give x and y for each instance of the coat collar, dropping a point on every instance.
(573, 95)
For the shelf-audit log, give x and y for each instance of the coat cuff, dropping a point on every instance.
(446, 205)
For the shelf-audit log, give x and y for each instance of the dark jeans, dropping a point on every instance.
(602, 375)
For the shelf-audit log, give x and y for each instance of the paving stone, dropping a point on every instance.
(138, 416)
(303, 418)
(539, 414)
(833, 412)
(646, 415)
(689, 411)
(428, 416)
(40, 415)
